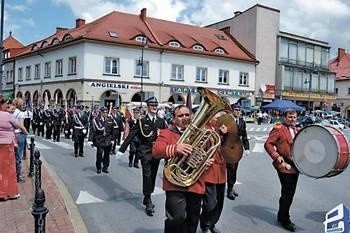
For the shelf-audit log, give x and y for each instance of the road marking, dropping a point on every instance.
(85, 198)
(262, 138)
(41, 146)
(259, 147)
(64, 145)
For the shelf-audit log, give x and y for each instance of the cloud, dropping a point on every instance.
(20, 7)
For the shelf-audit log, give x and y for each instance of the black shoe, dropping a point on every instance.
(105, 170)
(98, 171)
(81, 155)
(76, 155)
(288, 225)
(136, 165)
(149, 209)
(130, 164)
(147, 200)
(214, 230)
(113, 153)
(230, 195)
(235, 193)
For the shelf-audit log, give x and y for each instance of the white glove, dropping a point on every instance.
(246, 153)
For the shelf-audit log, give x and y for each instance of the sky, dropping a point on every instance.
(325, 20)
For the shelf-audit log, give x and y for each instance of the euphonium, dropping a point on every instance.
(186, 170)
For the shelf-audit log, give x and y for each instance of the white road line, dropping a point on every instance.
(259, 148)
(64, 145)
(41, 146)
(85, 198)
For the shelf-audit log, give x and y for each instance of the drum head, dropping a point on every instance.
(315, 151)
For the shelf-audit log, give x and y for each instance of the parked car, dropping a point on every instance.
(336, 124)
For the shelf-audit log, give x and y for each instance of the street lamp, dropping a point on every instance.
(308, 81)
(1, 41)
(141, 64)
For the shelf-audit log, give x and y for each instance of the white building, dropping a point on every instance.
(119, 56)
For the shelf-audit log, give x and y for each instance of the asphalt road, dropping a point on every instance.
(111, 203)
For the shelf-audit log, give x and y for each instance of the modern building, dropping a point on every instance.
(121, 58)
(340, 65)
(290, 66)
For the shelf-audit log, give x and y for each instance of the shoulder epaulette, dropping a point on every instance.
(277, 125)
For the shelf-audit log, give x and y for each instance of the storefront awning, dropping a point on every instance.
(8, 94)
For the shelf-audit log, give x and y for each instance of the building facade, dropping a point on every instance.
(121, 58)
(340, 65)
(290, 66)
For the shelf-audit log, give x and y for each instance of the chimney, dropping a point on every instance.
(341, 53)
(79, 23)
(237, 13)
(226, 30)
(143, 14)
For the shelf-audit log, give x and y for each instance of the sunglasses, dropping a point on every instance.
(182, 115)
(237, 109)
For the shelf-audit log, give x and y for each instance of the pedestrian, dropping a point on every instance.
(21, 137)
(102, 137)
(232, 168)
(147, 129)
(8, 178)
(182, 204)
(80, 125)
(117, 129)
(278, 145)
(215, 181)
(57, 118)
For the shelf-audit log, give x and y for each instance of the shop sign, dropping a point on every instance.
(183, 90)
(113, 85)
(233, 93)
(307, 95)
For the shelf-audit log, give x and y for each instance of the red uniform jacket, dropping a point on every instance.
(279, 143)
(165, 147)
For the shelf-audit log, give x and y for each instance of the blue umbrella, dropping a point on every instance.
(282, 105)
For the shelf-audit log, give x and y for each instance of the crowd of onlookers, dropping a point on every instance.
(12, 147)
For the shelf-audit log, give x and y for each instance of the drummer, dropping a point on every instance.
(279, 146)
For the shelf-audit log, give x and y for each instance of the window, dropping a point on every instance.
(111, 65)
(72, 65)
(201, 74)
(28, 75)
(67, 37)
(20, 74)
(55, 41)
(219, 50)
(301, 53)
(284, 50)
(44, 44)
(47, 71)
(37, 71)
(141, 39)
(177, 72)
(142, 67)
(243, 79)
(113, 34)
(223, 76)
(336, 91)
(59, 65)
(198, 47)
(287, 78)
(309, 56)
(174, 44)
(292, 52)
(348, 91)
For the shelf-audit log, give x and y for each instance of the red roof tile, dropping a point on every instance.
(159, 33)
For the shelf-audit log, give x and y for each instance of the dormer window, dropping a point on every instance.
(67, 37)
(219, 50)
(55, 41)
(44, 44)
(174, 44)
(34, 47)
(113, 34)
(198, 47)
(141, 39)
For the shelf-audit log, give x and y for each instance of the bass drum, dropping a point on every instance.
(320, 151)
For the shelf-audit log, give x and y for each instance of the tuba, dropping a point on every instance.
(186, 170)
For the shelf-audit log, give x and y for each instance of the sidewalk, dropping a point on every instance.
(63, 216)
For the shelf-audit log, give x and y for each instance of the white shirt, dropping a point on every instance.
(18, 115)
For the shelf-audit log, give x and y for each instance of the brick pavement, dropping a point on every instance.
(16, 217)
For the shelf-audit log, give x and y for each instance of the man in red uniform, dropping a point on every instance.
(278, 145)
(215, 180)
(182, 205)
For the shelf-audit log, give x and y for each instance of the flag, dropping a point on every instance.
(189, 100)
